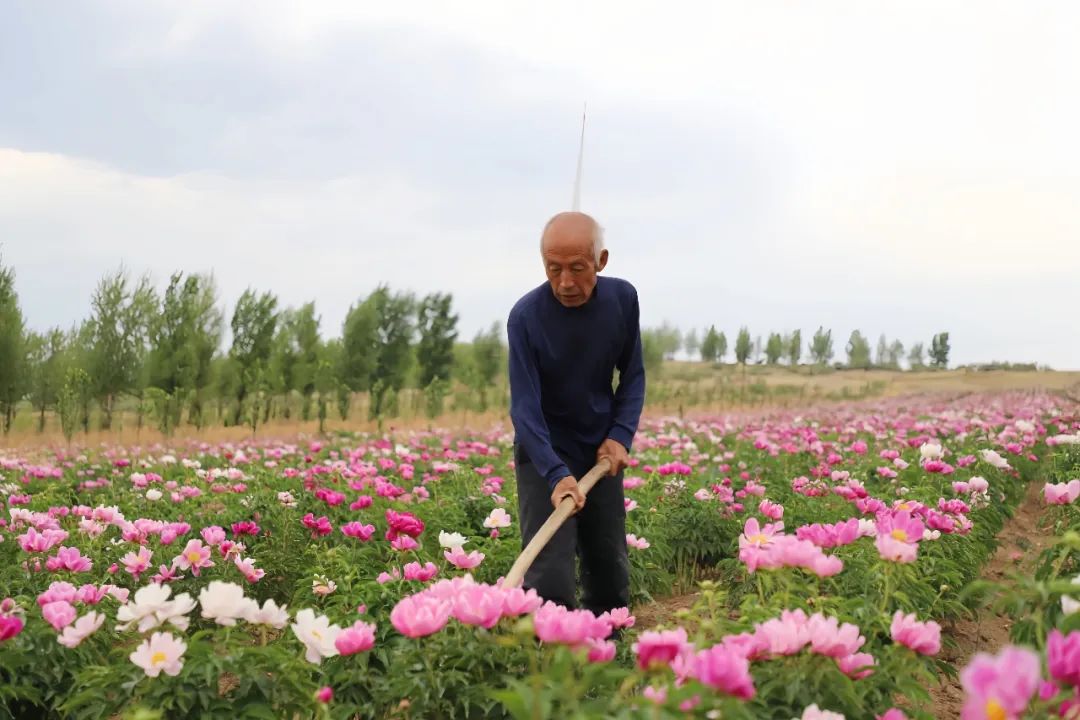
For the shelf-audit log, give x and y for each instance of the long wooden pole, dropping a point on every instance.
(553, 523)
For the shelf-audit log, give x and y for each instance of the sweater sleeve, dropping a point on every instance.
(526, 415)
(630, 395)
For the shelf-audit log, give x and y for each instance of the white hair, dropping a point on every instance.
(597, 238)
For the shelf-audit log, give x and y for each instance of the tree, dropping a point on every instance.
(915, 357)
(858, 351)
(758, 348)
(254, 324)
(393, 336)
(652, 351)
(939, 350)
(45, 371)
(742, 346)
(184, 337)
(488, 358)
(794, 348)
(358, 349)
(774, 348)
(670, 338)
(304, 335)
(896, 351)
(710, 345)
(691, 342)
(119, 329)
(882, 357)
(73, 400)
(437, 326)
(12, 353)
(821, 346)
(721, 347)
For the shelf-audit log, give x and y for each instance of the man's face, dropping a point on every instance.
(569, 262)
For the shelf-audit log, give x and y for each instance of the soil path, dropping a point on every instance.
(1020, 543)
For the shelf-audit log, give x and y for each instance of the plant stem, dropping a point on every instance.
(887, 589)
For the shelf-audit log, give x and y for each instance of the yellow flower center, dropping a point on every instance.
(899, 534)
(159, 657)
(194, 557)
(317, 634)
(994, 711)
(758, 539)
(904, 506)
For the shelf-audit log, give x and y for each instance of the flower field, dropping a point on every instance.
(359, 577)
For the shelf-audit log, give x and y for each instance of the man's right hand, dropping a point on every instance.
(568, 487)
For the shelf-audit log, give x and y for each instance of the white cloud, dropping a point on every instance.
(898, 167)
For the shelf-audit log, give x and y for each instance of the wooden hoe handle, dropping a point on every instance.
(553, 523)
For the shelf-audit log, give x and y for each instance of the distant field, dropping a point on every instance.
(689, 387)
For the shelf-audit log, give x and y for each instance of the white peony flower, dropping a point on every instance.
(451, 540)
(162, 652)
(151, 607)
(317, 634)
(270, 614)
(153, 494)
(224, 602)
(931, 451)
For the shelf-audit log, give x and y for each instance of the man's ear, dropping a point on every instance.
(603, 260)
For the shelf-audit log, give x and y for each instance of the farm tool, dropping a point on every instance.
(547, 531)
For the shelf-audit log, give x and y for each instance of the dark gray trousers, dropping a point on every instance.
(596, 535)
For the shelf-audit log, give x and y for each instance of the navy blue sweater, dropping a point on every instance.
(562, 364)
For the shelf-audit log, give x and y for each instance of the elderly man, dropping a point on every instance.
(567, 337)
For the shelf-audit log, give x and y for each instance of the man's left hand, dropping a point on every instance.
(616, 454)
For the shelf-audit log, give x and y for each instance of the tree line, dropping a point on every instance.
(666, 341)
(162, 356)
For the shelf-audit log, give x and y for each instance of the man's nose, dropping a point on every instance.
(566, 280)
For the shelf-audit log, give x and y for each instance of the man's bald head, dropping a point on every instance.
(570, 231)
(572, 246)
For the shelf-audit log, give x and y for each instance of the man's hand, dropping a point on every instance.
(616, 454)
(568, 487)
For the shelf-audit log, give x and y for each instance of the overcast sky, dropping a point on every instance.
(901, 168)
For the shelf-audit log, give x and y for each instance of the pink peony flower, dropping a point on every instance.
(404, 543)
(462, 560)
(600, 650)
(416, 615)
(1061, 493)
(414, 571)
(856, 665)
(892, 714)
(73, 634)
(771, 510)
(660, 648)
(403, 523)
(10, 626)
(137, 563)
(59, 614)
(325, 694)
(213, 535)
(360, 637)
(69, 558)
(517, 601)
(1063, 657)
(479, 605)
(358, 530)
(999, 686)
(194, 557)
(723, 669)
(923, 638)
(828, 637)
(557, 625)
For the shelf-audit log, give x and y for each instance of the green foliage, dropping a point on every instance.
(742, 346)
(437, 326)
(821, 346)
(774, 348)
(710, 345)
(254, 324)
(393, 356)
(13, 378)
(118, 330)
(939, 350)
(915, 357)
(858, 351)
